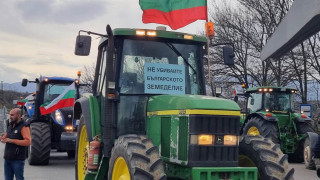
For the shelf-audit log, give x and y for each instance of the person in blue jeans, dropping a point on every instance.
(17, 140)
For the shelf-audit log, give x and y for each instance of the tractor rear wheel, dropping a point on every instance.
(258, 126)
(257, 151)
(135, 157)
(299, 155)
(307, 155)
(39, 151)
(82, 151)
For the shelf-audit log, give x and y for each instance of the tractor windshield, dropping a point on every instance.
(151, 67)
(278, 102)
(52, 91)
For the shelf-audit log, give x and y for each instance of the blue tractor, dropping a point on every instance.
(56, 130)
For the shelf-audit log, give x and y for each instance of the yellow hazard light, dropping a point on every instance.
(140, 32)
(205, 139)
(79, 73)
(186, 36)
(151, 33)
(230, 140)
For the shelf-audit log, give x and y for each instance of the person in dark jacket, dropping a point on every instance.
(17, 140)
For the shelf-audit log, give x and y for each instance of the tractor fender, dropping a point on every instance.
(301, 119)
(81, 107)
(262, 116)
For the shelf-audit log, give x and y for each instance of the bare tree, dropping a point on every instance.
(87, 77)
(249, 26)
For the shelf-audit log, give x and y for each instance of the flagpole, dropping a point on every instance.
(208, 54)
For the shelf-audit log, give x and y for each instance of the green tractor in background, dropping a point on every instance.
(150, 114)
(270, 113)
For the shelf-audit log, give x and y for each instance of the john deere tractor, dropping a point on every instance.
(270, 113)
(150, 114)
(55, 130)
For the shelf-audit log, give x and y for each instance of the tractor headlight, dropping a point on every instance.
(230, 140)
(68, 128)
(59, 118)
(202, 139)
(208, 139)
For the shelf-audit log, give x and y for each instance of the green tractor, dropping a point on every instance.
(149, 112)
(270, 113)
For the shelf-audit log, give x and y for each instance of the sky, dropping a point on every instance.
(37, 37)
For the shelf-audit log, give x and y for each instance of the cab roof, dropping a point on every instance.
(159, 34)
(57, 79)
(274, 89)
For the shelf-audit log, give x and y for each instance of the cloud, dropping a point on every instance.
(61, 12)
(13, 77)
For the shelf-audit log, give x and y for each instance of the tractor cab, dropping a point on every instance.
(270, 99)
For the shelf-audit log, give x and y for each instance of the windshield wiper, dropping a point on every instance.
(174, 49)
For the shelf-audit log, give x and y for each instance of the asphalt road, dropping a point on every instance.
(62, 168)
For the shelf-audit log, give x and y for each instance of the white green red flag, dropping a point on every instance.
(66, 99)
(22, 102)
(174, 13)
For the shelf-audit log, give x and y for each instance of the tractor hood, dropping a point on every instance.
(182, 102)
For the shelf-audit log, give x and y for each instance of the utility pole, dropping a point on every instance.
(1, 92)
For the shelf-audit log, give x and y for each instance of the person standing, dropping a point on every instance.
(17, 140)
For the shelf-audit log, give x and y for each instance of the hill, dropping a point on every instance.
(30, 88)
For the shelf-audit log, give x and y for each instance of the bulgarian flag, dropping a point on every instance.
(66, 99)
(175, 13)
(22, 102)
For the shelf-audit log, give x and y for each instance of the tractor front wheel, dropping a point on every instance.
(257, 151)
(258, 126)
(39, 151)
(135, 157)
(82, 151)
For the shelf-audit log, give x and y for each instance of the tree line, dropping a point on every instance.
(249, 24)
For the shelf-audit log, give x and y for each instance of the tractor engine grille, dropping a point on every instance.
(218, 154)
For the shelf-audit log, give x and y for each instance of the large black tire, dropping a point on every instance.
(39, 151)
(299, 155)
(260, 152)
(141, 158)
(266, 128)
(308, 155)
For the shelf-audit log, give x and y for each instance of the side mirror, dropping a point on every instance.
(24, 82)
(228, 55)
(83, 45)
(236, 99)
